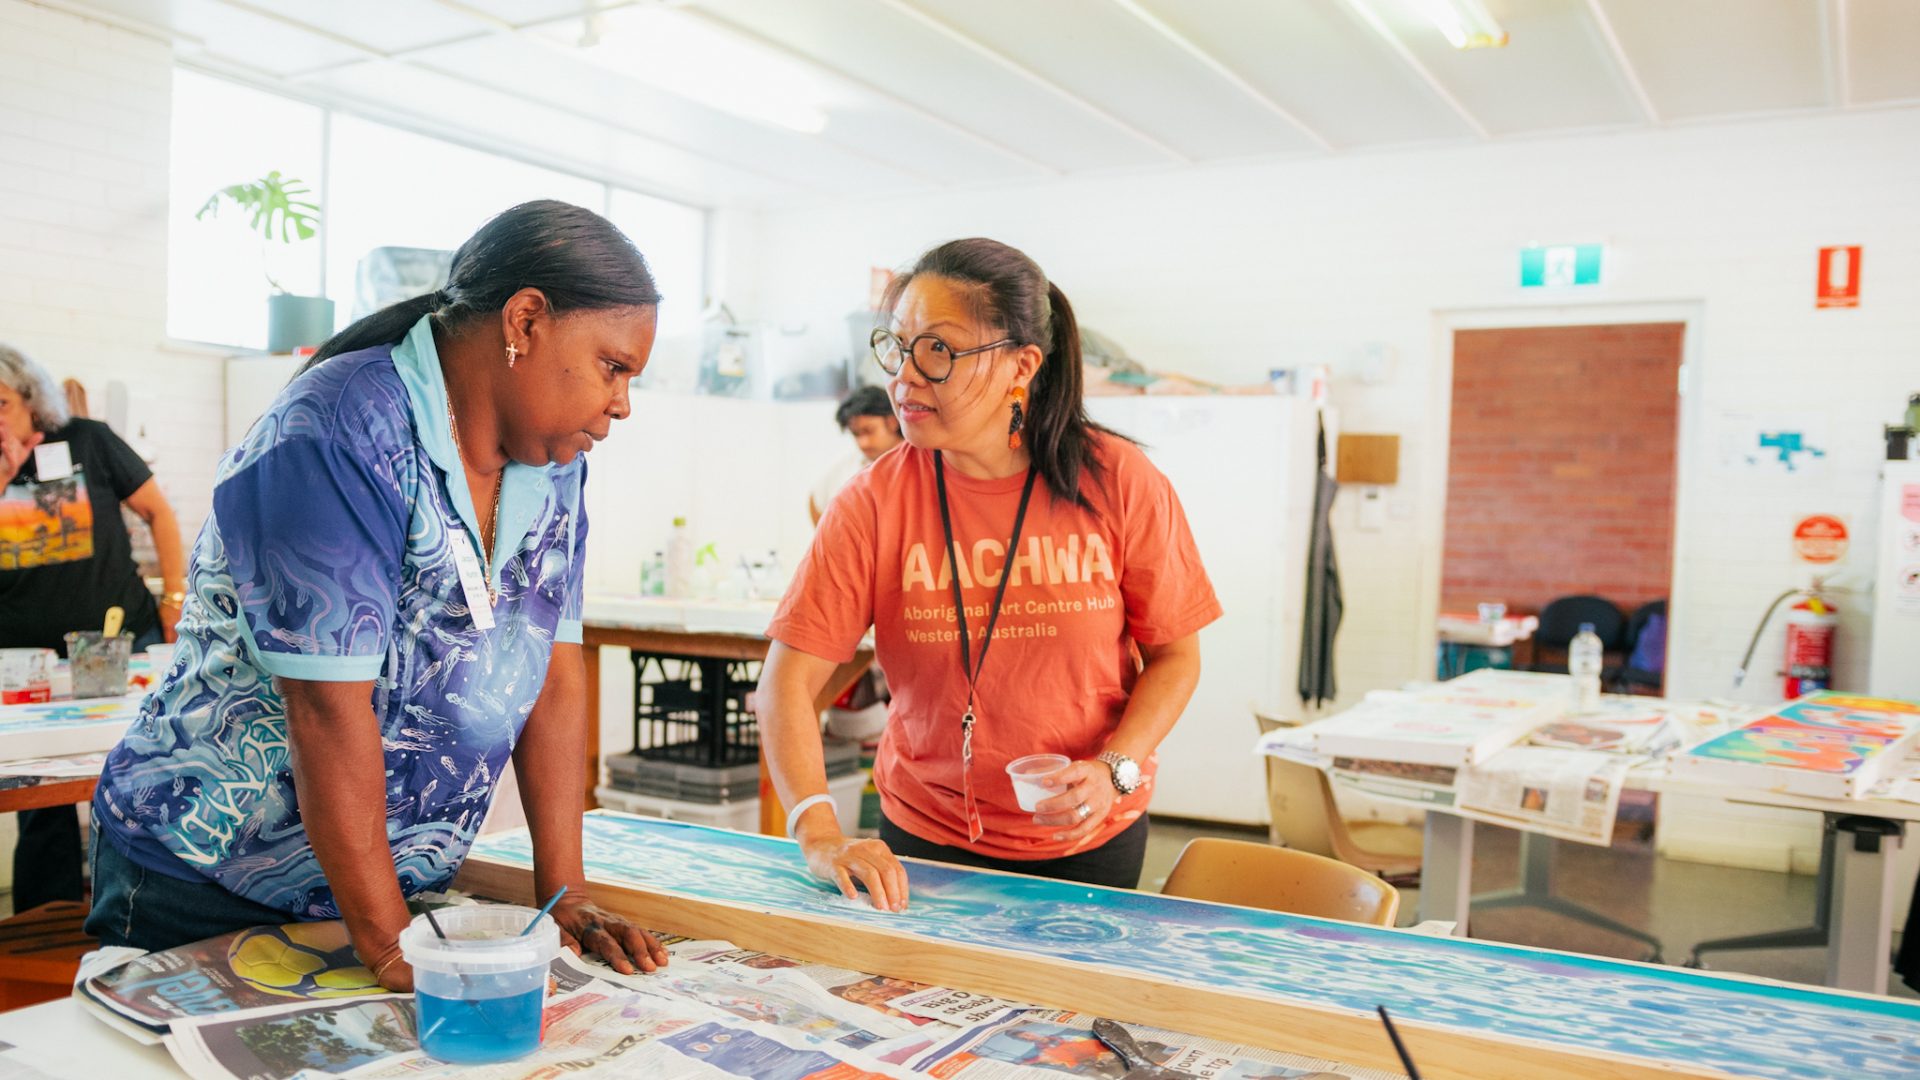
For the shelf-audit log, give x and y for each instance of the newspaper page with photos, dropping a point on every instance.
(1032, 1045)
(912, 1004)
(769, 989)
(1567, 794)
(245, 970)
(613, 1030)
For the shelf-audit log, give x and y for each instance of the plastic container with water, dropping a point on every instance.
(482, 992)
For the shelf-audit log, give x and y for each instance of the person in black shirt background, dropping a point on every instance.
(65, 558)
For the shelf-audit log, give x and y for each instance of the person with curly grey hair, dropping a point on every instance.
(65, 558)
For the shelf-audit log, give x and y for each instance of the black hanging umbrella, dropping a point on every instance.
(1323, 604)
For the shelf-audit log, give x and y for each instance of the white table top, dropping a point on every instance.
(1464, 630)
(744, 617)
(61, 1039)
(1891, 809)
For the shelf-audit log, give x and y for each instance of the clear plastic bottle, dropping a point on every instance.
(680, 560)
(1584, 658)
(774, 583)
(653, 574)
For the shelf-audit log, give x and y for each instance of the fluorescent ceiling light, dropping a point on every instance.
(692, 59)
(1466, 24)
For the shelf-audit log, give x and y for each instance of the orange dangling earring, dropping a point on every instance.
(1019, 417)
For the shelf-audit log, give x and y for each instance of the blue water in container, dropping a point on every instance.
(473, 1030)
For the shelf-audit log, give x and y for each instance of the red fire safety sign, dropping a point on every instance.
(1839, 282)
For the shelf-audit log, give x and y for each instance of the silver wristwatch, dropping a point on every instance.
(1126, 771)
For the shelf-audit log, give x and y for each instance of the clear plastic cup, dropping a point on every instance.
(1027, 772)
(99, 663)
(482, 992)
(159, 659)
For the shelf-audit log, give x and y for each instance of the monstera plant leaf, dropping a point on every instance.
(278, 205)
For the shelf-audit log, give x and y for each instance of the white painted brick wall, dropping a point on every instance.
(84, 115)
(1226, 272)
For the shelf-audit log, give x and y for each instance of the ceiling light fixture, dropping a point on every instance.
(1466, 24)
(689, 59)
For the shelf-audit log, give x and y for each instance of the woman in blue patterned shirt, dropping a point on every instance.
(383, 608)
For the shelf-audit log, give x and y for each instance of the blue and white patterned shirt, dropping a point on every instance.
(330, 557)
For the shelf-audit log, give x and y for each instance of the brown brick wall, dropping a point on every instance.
(1561, 467)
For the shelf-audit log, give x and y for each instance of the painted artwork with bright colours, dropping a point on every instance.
(1747, 1028)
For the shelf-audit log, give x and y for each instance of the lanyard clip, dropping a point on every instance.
(966, 737)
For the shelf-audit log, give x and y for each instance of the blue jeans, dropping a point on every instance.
(146, 909)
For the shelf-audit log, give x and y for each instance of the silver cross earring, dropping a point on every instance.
(513, 353)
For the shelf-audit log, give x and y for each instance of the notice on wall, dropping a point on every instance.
(1904, 589)
(1820, 539)
(1788, 446)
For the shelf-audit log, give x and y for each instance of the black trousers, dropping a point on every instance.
(46, 861)
(1906, 963)
(1115, 863)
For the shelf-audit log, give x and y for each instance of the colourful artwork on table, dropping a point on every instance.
(1747, 1028)
(1824, 744)
(59, 715)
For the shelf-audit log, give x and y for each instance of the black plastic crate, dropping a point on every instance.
(692, 710)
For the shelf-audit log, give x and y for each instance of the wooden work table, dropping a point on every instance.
(720, 630)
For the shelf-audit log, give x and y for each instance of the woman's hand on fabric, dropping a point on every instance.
(854, 864)
(389, 967)
(1084, 801)
(586, 927)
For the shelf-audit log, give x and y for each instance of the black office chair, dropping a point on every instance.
(1560, 620)
(1625, 678)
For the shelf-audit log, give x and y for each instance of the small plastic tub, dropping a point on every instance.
(482, 992)
(1027, 772)
(99, 663)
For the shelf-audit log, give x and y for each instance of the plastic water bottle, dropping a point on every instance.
(680, 560)
(1583, 663)
(653, 575)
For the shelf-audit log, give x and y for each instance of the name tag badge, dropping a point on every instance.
(474, 584)
(53, 461)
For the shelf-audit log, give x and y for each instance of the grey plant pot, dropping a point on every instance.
(296, 321)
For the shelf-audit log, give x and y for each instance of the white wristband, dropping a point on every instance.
(801, 807)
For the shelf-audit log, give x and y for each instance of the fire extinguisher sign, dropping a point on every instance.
(1820, 539)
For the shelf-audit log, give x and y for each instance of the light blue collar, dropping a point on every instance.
(523, 491)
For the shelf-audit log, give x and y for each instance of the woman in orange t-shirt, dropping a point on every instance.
(1011, 621)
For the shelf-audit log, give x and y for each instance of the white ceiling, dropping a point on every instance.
(923, 94)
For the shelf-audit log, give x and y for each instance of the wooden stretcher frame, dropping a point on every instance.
(1441, 1053)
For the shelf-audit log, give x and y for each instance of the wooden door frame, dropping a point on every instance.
(1691, 314)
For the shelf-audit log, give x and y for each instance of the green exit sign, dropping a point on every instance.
(1560, 265)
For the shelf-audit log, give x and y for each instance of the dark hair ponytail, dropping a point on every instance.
(574, 256)
(1009, 291)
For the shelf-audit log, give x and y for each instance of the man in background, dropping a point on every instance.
(867, 415)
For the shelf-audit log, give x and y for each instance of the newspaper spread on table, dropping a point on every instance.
(1565, 782)
(716, 1012)
(1566, 794)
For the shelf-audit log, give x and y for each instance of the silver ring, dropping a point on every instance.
(1085, 811)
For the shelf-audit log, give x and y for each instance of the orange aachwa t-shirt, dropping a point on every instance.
(1085, 586)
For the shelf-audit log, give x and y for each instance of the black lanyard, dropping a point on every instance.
(967, 663)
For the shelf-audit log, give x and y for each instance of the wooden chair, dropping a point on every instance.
(1306, 818)
(1248, 874)
(40, 951)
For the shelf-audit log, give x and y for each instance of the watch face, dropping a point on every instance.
(1126, 776)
